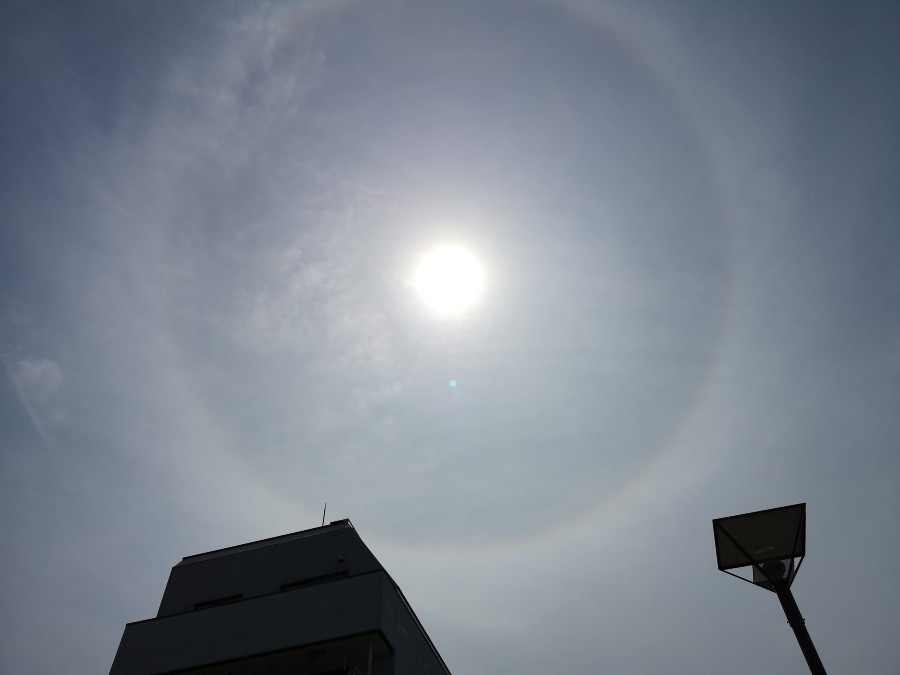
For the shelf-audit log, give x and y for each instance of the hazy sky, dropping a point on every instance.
(688, 217)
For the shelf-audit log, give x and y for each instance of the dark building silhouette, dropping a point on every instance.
(315, 602)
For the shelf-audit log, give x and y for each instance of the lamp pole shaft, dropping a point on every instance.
(795, 619)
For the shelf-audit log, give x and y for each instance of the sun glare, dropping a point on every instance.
(449, 279)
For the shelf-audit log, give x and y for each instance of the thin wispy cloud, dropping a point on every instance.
(37, 381)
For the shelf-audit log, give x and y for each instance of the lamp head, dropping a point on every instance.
(774, 569)
(771, 542)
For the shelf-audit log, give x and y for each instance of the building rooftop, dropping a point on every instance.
(271, 541)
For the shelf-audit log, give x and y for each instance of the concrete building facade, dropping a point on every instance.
(315, 602)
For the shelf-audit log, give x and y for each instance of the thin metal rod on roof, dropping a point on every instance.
(323, 513)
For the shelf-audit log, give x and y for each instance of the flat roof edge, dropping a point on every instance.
(268, 541)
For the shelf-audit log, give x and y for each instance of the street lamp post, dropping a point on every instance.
(772, 543)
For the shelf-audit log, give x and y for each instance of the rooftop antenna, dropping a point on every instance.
(323, 513)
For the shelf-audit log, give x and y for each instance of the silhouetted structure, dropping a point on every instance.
(315, 602)
(773, 543)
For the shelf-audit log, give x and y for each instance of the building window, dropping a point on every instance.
(227, 600)
(314, 581)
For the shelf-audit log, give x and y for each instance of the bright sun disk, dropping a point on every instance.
(449, 279)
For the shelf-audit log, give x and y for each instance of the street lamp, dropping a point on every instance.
(773, 543)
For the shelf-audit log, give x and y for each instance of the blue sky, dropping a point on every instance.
(687, 217)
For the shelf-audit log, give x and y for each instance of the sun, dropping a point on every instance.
(449, 279)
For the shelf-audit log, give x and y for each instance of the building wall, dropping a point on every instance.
(265, 624)
(414, 652)
(264, 569)
(275, 602)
